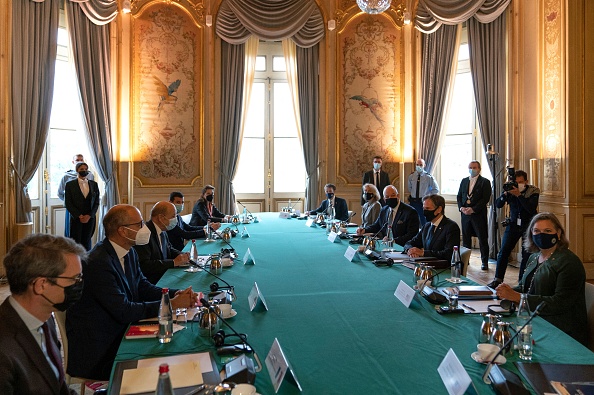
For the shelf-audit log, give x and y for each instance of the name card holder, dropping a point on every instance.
(310, 223)
(404, 293)
(278, 365)
(454, 376)
(351, 255)
(248, 258)
(333, 237)
(244, 233)
(284, 214)
(254, 296)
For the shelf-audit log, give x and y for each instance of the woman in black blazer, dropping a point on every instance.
(81, 197)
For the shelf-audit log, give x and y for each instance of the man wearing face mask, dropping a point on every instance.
(341, 210)
(377, 177)
(473, 196)
(438, 236)
(158, 254)
(396, 215)
(523, 203)
(45, 275)
(421, 184)
(116, 293)
(81, 198)
(183, 231)
(67, 177)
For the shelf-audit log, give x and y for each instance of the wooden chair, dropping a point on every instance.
(590, 311)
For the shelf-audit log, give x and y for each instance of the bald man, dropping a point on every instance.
(158, 254)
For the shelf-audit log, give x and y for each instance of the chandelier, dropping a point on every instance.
(374, 6)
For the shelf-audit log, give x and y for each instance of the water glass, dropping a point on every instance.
(525, 343)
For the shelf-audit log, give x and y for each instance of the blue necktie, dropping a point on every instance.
(163, 245)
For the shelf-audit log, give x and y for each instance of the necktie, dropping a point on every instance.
(52, 351)
(377, 179)
(163, 245)
(418, 186)
(430, 233)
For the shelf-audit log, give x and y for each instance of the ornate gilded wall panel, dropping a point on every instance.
(166, 99)
(553, 88)
(369, 99)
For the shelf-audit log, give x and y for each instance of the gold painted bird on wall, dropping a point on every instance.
(373, 104)
(166, 93)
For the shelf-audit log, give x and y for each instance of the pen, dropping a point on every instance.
(468, 307)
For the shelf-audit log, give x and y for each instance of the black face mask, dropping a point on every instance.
(83, 173)
(368, 196)
(429, 214)
(209, 198)
(392, 202)
(72, 294)
(544, 241)
(329, 195)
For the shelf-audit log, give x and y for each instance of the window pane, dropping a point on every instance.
(278, 63)
(456, 154)
(284, 116)
(463, 53)
(33, 186)
(260, 63)
(250, 169)
(254, 125)
(289, 169)
(461, 117)
(66, 113)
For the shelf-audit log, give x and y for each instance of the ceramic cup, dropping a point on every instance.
(487, 351)
(243, 389)
(225, 309)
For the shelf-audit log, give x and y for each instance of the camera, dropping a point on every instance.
(511, 181)
(506, 222)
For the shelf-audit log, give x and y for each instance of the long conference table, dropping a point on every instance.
(338, 322)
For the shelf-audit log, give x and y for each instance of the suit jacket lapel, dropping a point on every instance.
(115, 262)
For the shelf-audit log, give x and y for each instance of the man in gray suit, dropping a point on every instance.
(45, 275)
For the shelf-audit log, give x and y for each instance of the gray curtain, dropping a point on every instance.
(436, 69)
(34, 46)
(91, 51)
(432, 14)
(232, 76)
(308, 81)
(488, 67)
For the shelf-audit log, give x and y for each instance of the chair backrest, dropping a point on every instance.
(186, 218)
(60, 317)
(465, 257)
(590, 310)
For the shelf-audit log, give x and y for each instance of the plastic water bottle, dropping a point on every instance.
(165, 318)
(525, 337)
(164, 386)
(456, 266)
(244, 215)
(194, 251)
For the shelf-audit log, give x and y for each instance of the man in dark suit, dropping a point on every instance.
(158, 254)
(377, 177)
(70, 175)
(396, 215)
(44, 274)
(116, 293)
(438, 236)
(183, 231)
(81, 197)
(341, 210)
(473, 196)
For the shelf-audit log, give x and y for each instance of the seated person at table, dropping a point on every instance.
(115, 294)
(399, 216)
(372, 207)
(341, 211)
(438, 236)
(183, 231)
(158, 254)
(554, 275)
(205, 210)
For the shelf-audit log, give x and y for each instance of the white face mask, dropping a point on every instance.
(179, 208)
(420, 169)
(142, 236)
(521, 187)
(172, 223)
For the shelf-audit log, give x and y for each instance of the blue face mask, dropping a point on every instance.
(420, 169)
(377, 166)
(473, 172)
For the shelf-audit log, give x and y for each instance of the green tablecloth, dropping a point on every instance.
(339, 323)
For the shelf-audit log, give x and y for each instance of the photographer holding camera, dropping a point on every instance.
(523, 201)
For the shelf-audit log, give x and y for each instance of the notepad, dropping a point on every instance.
(141, 380)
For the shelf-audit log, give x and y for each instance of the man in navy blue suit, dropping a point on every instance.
(396, 215)
(183, 231)
(341, 210)
(438, 236)
(116, 293)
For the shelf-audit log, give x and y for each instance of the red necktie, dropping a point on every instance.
(52, 351)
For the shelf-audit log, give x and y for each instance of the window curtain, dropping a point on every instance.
(486, 42)
(90, 43)
(439, 54)
(34, 48)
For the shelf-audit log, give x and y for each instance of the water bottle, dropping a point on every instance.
(456, 266)
(525, 337)
(244, 215)
(164, 386)
(165, 318)
(194, 251)
(209, 231)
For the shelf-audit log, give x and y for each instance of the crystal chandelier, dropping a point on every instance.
(374, 6)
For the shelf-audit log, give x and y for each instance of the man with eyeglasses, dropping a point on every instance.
(44, 274)
(116, 293)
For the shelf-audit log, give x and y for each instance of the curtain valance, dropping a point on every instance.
(431, 14)
(100, 12)
(299, 20)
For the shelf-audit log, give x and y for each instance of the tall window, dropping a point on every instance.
(461, 135)
(271, 165)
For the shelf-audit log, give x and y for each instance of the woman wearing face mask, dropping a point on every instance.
(553, 275)
(205, 210)
(372, 207)
(81, 198)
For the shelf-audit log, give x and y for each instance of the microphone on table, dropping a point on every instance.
(434, 296)
(293, 205)
(243, 338)
(247, 209)
(350, 216)
(486, 378)
(231, 251)
(214, 287)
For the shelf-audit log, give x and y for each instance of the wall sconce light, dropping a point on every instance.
(209, 20)
(126, 7)
(406, 17)
(331, 24)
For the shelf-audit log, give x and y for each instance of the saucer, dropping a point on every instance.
(499, 361)
(231, 315)
(459, 281)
